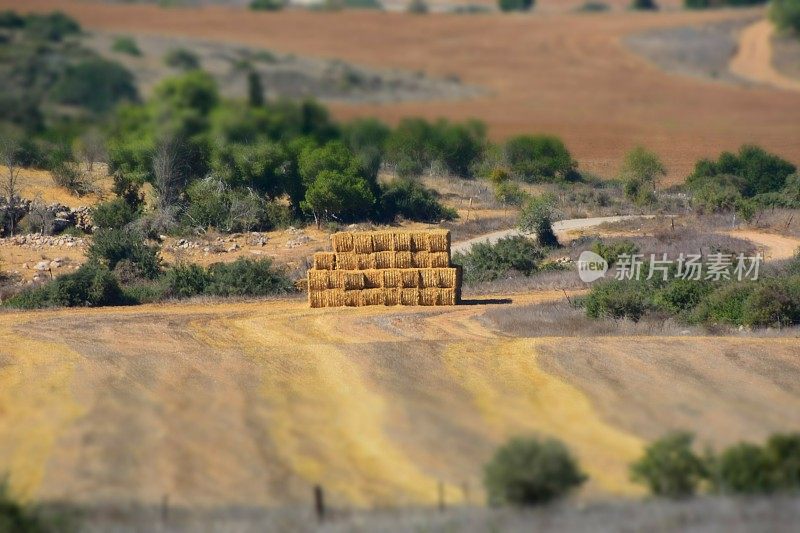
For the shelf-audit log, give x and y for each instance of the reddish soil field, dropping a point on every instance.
(561, 73)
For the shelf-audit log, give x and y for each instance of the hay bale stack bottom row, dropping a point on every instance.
(385, 268)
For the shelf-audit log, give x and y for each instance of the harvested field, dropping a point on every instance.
(563, 73)
(252, 403)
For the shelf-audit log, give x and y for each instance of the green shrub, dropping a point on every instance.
(510, 193)
(419, 7)
(783, 455)
(742, 468)
(413, 201)
(182, 59)
(11, 20)
(246, 277)
(539, 158)
(752, 170)
(185, 281)
(617, 299)
(110, 246)
(212, 204)
(344, 197)
(113, 214)
(267, 5)
(126, 45)
(488, 262)
(536, 219)
(669, 467)
(91, 285)
(785, 14)
(644, 5)
(681, 296)
(611, 252)
(95, 84)
(529, 471)
(594, 7)
(53, 26)
(640, 172)
(515, 5)
(15, 517)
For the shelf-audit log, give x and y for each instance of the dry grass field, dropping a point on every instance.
(253, 403)
(559, 72)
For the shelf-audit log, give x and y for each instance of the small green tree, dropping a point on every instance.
(530, 471)
(515, 5)
(536, 219)
(115, 214)
(640, 172)
(743, 468)
(669, 467)
(644, 5)
(255, 91)
(783, 455)
(785, 14)
(339, 196)
(16, 518)
(111, 246)
(539, 158)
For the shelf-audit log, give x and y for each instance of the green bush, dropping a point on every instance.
(705, 4)
(617, 299)
(488, 262)
(419, 7)
(640, 172)
(91, 285)
(185, 281)
(742, 468)
(267, 5)
(246, 277)
(681, 296)
(113, 214)
(593, 7)
(126, 45)
(95, 84)
(510, 193)
(15, 517)
(785, 14)
(53, 26)
(783, 456)
(183, 59)
(11, 20)
(529, 471)
(110, 246)
(536, 219)
(413, 201)
(536, 158)
(644, 5)
(611, 252)
(669, 467)
(515, 5)
(752, 171)
(340, 196)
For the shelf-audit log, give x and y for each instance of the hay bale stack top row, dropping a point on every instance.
(385, 268)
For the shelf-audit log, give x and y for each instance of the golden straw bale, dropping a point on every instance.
(402, 241)
(342, 242)
(439, 259)
(385, 260)
(318, 279)
(366, 261)
(336, 279)
(362, 243)
(346, 261)
(420, 259)
(439, 241)
(316, 298)
(383, 241)
(353, 281)
(447, 297)
(391, 296)
(429, 277)
(372, 297)
(352, 298)
(429, 296)
(419, 241)
(392, 278)
(373, 279)
(334, 297)
(409, 296)
(402, 260)
(324, 261)
(448, 277)
(410, 278)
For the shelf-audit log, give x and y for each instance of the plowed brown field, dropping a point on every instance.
(563, 73)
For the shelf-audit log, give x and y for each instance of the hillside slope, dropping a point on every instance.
(253, 403)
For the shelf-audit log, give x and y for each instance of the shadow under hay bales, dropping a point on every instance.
(485, 301)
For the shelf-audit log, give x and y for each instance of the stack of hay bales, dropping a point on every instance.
(385, 268)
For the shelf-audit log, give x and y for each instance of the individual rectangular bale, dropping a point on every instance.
(429, 296)
(447, 297)
(334, 297)
(392, 278)
(420, 259)
(402, 259)
(391, 296)
(336, 279)
(362, 243)
(410, 278)
(439, 241)
(373, 279)
(316, 298)
(353, 281)
(402, 241)
(383, 241)
(409, 296)
(342, 242)
(366, 261)
(439, 259)
(429, 277)
(346, 261)
(372, 297)
(419, 241)
(324, 261)
(385, 260)
(448, 277)
(352, 298)
(318, 279)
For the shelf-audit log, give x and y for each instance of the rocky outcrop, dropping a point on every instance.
(53, 218)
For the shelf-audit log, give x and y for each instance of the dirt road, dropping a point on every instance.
(753, 61)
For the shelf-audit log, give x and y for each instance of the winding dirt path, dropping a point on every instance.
(753, 61)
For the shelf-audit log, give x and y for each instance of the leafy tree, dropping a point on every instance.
(644, 5)
(255, 91)
(488, 262)
(785, 14)
(267, 5)
(95, 84)
(536, 219)
(752, 170)
(669, 467)
(743, 468)
(113, 214)
(515, 5)
(182, 59)
(126, 45)
(640, 172)
(53, 26)
(338, 195)
(527, 472)
(413, 201)
(783, 455)
(110, 246)
(539, 158)
(263, 166)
